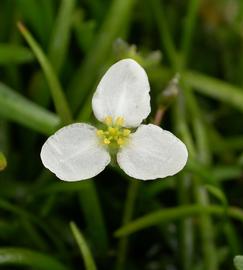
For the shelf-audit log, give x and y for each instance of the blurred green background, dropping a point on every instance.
(49, 68)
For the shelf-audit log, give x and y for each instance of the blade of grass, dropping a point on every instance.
(127, 216)
(164, 33)
(22, 213)
(14, 54)
(186, 228)
(91, 207)
(32, 12)
(57, 51)
(188, 30)
(84, 249)
(59, 99)
(201, 196)
(61, 34)
(130, 203)
(215, 88)
(30, 258)
(175, 213)
(18, 109)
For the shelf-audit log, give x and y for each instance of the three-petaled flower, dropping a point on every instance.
(121, 102)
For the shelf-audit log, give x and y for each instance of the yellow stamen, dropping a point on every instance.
(119, 121)
(100, 132)
(108, 120)
(112, 130)
(126, 132)
(120, 141)
(114, 135)
(106, 141)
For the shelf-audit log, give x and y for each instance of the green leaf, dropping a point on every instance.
(61, 34)
(218, 193)
(25, 257)
(14, 54)
(84, 249)
(41, 22)
(17, 108)
(176, 213)
(92, 211)
(59, 99)
(238, 262)
(215, 88)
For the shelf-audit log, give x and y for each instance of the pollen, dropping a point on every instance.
(114, 134)
(126, 132)
(119, 121)
(108, 120)
(100, 132)
(112, 131)
(120, 141)
(106, 141)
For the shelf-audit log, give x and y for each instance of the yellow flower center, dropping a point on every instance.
(114, 134)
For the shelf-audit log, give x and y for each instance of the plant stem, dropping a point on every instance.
(127, 217)
(130, 205)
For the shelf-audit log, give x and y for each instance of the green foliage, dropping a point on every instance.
(49, 68)
(85, 252)
(25, 257)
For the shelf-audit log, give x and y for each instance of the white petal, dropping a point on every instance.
(123, 92)
(73, 153)
(152, 153)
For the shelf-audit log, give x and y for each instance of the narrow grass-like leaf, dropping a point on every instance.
(24, 257)
(17, 108)
(14, 54)
(164, 33)
(57, 50)
(188, 31)
(38, 15)
(84, 249)
(22, 213)
(238, 262)
(92, 211)
(175, 213)
(129, 208)
(61, 34)
(218, 193)
(215, 88)
(54, 84)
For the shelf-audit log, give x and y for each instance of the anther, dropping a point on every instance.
(112, 130)
(100, 132)
(108, 120)
(119, 121)
(126, 132)
(120, 141)
(106, 141)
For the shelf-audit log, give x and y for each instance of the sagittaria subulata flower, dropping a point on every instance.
(121, 102)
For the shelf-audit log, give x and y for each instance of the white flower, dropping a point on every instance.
(121, 102)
